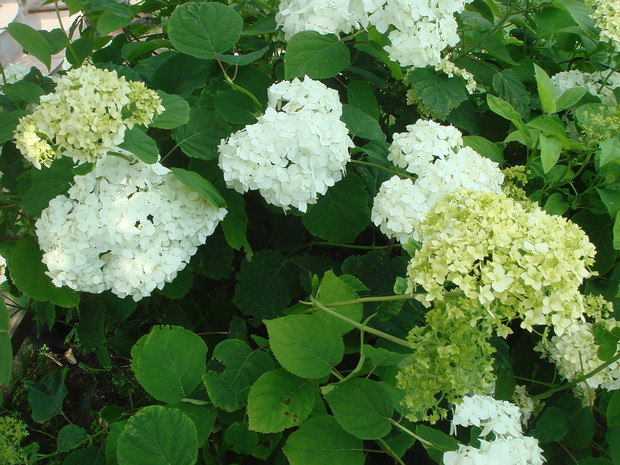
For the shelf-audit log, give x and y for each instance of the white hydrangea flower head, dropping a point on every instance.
(423, 143)
(451, 69)
(125, 226)
(516, 260)
(14, 73)
(575, 354)
(2, 269)
(499, 417)
(523, 450)
(400, 206)
(592, 82)
(322, 16)
(85, 117)
(607, 17)
(526, 404)
(294, 155)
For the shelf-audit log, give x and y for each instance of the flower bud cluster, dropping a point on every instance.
(514, 259)
(13, 73)
(85, 117)
(503, 419)
(125, 226)
(434, 153)
(296, 150)
(418, 30)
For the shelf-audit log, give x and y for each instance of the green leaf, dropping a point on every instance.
(361, 95)
(203, 417)
(180, 286)
(440, 442)
(158, 436)
(362, 407)
(241, 438)
(8, 123)
(6, 350)
(361, 124)
(546, 89)
(45, 184)
(613, 410)
(342, 213)
(556, 205)
(201, 135)
(46, 396)
(235, 107)
(175, 114)
(613, 439)
(581, 14)
(507, 111)
(570, 98)
(199, 184)
(439, 93)
(117, 309)
(510, 88)
(69, 437)
(317, 56)
(609, 151)
(235, 223)
(109, 22)
(229, 390)
(242, 60)
(204, 29)
(321, 441)
(484, 147)
(111, 443)
(305, 346)
(265, 285)
(133, 50)
(332, 290)
(550, 151)
(279, 400)
(28, 274)
(141, 145)
(169, 362)
(91, 325)
(32, 42)
(551, 426)
(90, 455)
(23, 92)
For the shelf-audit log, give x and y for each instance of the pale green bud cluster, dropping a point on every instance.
(85, 117)
(451, 358)
(514, 259)
(12, 432)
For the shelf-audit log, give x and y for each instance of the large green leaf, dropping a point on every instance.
(199, 184)
(332, 290)
(507, 111)
(307, 347)
(342, 213)
(229, 389)
(362, 407)
(141, 145)
(317, 56)
(265, 285)
(158, 436)
(204, 29)
(510, 88)
(361, 124)
(484, 147)
(28, 274)
(235, 107)
(90, 455)
(46, 396)
(550, 151)
(6, 351)
(439, 93)
(32, 42)
(546, 89)
(203, 417)
(175, 114)
(200, 136)
(361, 95)
(279, 400)
(552, 425)
(169, 362)
(8, 123)
(45, 184)
(437, 442)
(321, 441)
(91, 325)
(69, 437)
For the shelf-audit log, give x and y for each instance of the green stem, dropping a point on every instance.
(257, 104)
(389, 450)
(62, 28)
(581, 379)
(413, 435)
(384, 168)
(357, 325)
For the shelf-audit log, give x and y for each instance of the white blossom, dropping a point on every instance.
(493, 416)
(505, 451)
(13, 73)
(128, 227)
(600, 83)
(294, 155)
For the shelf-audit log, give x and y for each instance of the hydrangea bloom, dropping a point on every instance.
(294, 155)
(525, 403)
(522, 450)
(127, 227)
(2, 269)
(575, 354)
(514, 259)
(401, 206)
(493, 416)
(85, 117)
(607, 17)
(593, 82)
(14, 73)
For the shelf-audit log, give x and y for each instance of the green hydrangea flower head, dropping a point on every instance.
(513, 258)
(12, 432)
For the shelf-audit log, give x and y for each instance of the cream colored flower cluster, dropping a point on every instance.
(600, 83)
(296, 150)
(128, 227)
(508, 447)
(607, 17)
(418, 30)
(13, 73)
(515, 260)
(85, 117)
(451, 69)
(434, 153)
(575, 354)
(2, 269)
(525, 402)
